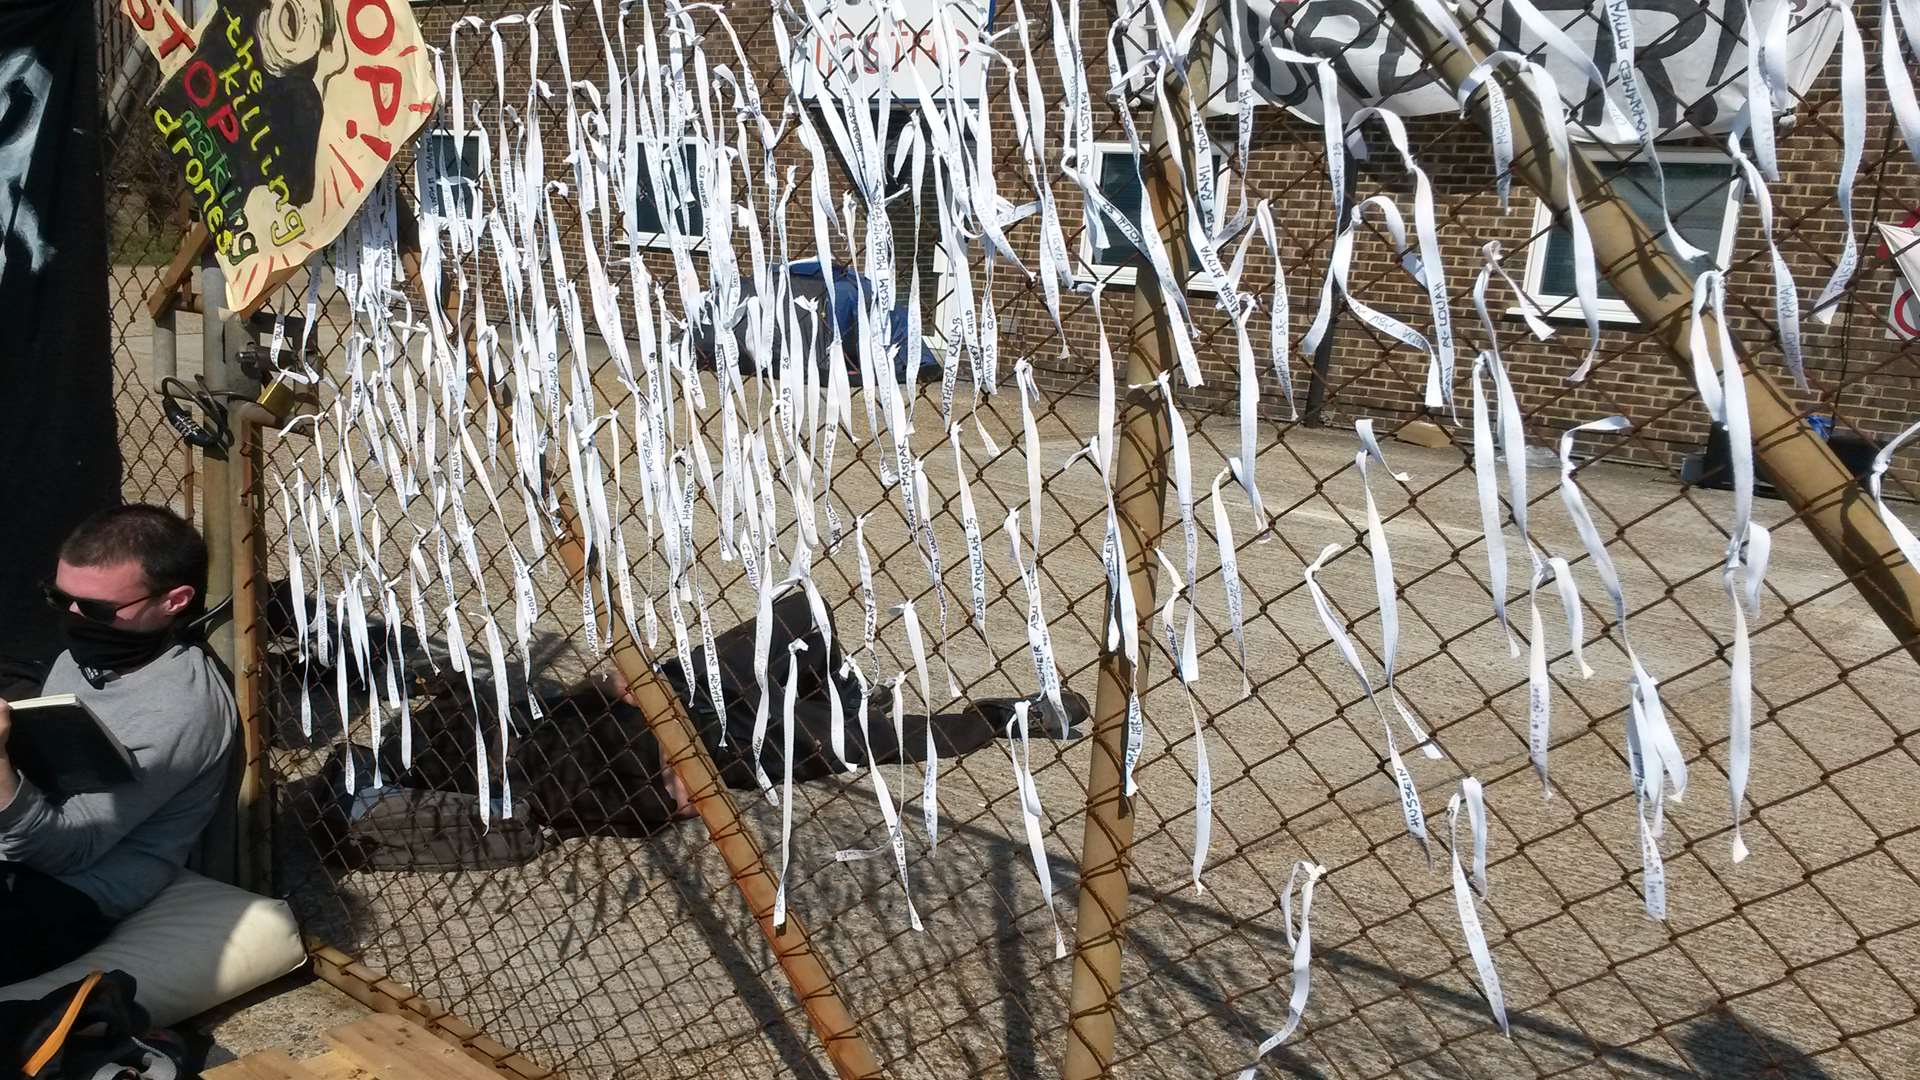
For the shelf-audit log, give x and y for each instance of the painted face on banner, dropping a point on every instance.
(292, 32)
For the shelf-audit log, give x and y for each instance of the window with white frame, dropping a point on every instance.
(1697, 186)
(674, 197)
(451, 178)
(1119, 182)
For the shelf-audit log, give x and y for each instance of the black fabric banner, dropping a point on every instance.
(59, 458)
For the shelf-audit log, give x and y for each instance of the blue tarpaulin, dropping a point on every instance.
(848, 285)
(840, 299)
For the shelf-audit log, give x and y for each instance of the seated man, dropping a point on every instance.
(129, 579)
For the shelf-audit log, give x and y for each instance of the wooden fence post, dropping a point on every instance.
(1140, 496)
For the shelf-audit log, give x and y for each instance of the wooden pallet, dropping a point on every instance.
(380, 1047)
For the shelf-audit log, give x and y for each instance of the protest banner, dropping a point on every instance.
(280, 115)
(1691, 58)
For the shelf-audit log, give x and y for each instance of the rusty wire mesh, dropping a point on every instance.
(607, 956)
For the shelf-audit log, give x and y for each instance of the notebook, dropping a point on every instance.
(60, 745)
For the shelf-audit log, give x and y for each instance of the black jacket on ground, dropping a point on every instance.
(591, 766)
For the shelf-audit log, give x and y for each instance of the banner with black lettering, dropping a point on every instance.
(59, 460)
(1691, 58)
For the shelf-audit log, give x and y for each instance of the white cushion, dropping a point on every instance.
(200, 943)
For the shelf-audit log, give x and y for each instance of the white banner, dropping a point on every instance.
(1901, 245)
(1690, 58)
(853, 35)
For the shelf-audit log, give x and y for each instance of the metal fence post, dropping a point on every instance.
(217, 324)
(1140, 491)
(220, 858)
(232, 526)
(1801, 465)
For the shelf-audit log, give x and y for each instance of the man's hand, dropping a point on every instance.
(6, 727)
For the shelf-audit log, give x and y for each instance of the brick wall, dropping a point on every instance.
(1855, 370)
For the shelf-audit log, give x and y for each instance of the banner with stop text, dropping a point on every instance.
(280, 115)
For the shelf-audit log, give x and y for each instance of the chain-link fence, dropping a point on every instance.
(602, 938)
(146, 219)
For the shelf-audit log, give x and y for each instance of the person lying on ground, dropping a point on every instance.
(590, 766)
(128, 585)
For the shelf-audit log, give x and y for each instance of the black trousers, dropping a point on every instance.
(590, 766)
(45, 922)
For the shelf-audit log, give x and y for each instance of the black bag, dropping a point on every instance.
(89, 1030)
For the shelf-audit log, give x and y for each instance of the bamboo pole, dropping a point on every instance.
(681, 748)
(1140, 496)
(1805, 470)
(682, 751)
(254, 854)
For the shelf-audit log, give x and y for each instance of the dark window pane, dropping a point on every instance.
(456, 169)
(1696, 193)
(653, 197)
(1120, 183)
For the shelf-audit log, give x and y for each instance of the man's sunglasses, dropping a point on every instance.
(100, 611)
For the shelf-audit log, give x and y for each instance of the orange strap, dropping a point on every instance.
(60, 1031)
